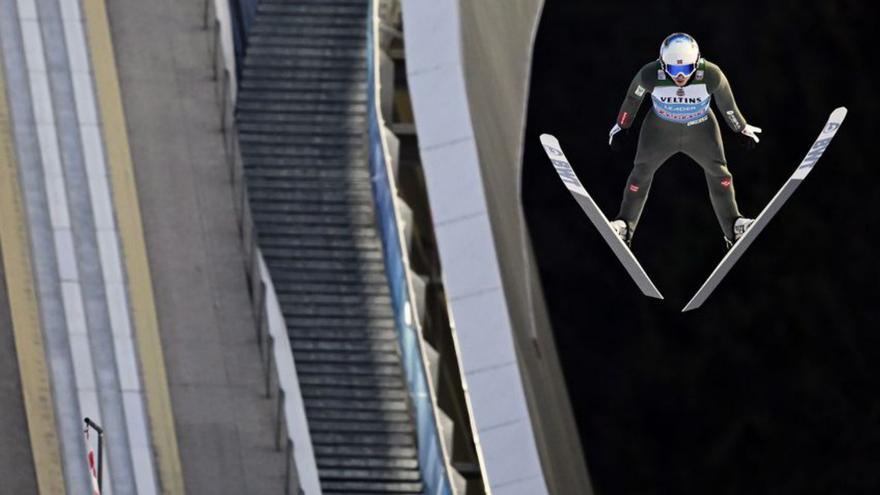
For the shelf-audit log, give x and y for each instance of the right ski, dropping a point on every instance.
(566, 173)
(726, 263)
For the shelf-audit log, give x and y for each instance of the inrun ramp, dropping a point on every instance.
(302, 121)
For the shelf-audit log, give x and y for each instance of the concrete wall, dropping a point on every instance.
(468, 68)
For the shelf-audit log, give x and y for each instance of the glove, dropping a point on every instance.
(619, 143)
(748, 137)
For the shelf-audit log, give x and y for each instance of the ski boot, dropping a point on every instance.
(622, 230)
(740, 226)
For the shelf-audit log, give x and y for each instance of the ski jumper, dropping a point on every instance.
(681, 121)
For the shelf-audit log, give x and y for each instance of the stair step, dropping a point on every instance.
(344, 157)
(294, 40)
(346, 53)
(361, 291)
(395, 417)
(343, 197)
(316, 19)
(367, 358)
(286, 242)
(321, 231)
(313, 2)
(360, 426)
(273, 225)
(296, 140)
(310, 107)
(322, 254)
(353, 324)
(303, 86)
(305, 63)
(367, 281)
(273, 128)
(330, 97)
(356, 405)
(367, 452)
(366, 463)
(347, 175)
(309, 31)
(363, 324)
(346, 370)
(339, 300)
(319, 291)
(371, 474)
(266, 73)
(270, 221)
(247, 117)
(353, 438)
(350, 382)
(349, 160)
(326, 265)
(331, 487)
(331, 191)
(387, 334)
(358, 10)
(314, 184)
(354, 394)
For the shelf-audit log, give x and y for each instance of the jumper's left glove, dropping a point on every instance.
(749, 137)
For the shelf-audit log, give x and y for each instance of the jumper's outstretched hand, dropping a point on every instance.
(616, 144)
(750, 136)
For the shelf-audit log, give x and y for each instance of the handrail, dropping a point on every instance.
(434, 458)
(281, 381)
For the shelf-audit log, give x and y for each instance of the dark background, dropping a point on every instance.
(773, 386)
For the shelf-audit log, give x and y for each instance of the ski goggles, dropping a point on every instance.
(680, 70)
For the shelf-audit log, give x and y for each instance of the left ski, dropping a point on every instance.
(770, 210)
(574, 186)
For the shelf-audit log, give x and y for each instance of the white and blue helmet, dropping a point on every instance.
(679, 54)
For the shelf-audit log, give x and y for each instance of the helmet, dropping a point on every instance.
(679, 54)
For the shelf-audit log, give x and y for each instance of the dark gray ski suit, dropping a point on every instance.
(681, 121)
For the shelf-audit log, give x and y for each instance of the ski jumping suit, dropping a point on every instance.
(681, 122)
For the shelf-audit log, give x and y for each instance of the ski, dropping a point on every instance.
(737, 250)
(620, 249)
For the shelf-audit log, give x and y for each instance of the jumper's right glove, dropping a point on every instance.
(749, 137)
(620, 142)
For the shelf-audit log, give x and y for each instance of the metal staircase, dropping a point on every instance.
(301, 116)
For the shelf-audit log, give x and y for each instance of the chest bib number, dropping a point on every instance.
(684, 105)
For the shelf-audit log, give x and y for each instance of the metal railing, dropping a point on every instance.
(281, 383)
(433, 454)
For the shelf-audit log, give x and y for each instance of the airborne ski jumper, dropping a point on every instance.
(681, 84)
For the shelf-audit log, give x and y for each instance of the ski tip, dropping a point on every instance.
(548, 138)
(839, 113)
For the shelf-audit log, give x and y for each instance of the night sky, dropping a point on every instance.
(773, 386)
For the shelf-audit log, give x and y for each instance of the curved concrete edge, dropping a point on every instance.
(136, 267)
(26, 328)
(472, 275)
(499, 39)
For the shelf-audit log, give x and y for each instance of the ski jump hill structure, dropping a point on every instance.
(274, 246)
